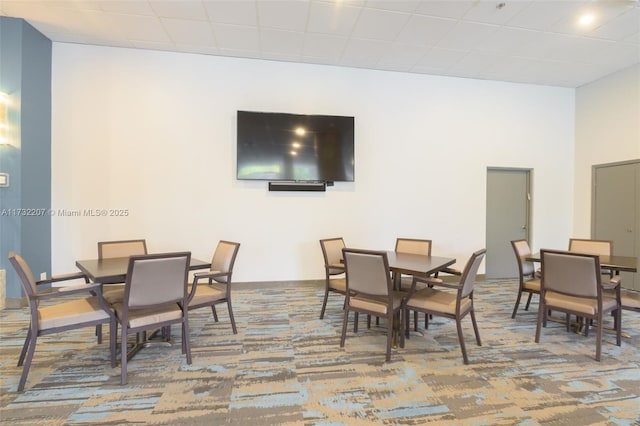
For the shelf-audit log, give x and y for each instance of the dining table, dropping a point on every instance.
(615, 263)
(413, 264)
(114, 270)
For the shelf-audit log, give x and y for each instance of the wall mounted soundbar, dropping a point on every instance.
(297, 186)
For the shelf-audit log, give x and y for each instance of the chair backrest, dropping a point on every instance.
(156, 279)
(367, 272)
(27, 280)
(599, 247)
(413, 246)
(332, 252)
(522, 250)
(470, 272)
(123, 248)
(224, 258)
(575, 274)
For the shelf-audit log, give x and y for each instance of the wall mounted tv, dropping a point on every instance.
(277, 146)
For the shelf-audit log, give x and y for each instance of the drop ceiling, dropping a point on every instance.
(535, 42)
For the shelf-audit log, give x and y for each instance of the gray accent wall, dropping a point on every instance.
(25, 75)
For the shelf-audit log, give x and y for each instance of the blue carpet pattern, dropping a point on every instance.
(285, 367)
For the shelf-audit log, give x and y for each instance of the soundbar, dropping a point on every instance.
(297, 186)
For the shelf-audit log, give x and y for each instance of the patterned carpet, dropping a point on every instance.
(285, 367)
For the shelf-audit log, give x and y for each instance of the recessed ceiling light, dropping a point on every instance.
(586, 19)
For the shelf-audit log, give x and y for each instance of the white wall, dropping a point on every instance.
(607, 131)
(154, 133)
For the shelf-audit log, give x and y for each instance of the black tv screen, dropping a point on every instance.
(294, 147)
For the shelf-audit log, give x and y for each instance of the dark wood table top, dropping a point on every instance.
(114, 270)
(617, 263)
(416, 264)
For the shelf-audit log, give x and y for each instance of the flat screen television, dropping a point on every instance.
(277, 146)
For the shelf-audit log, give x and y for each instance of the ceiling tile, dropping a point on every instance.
(179, 9)
(440, 59)
(281, 42)
(142, 28)
(127, 7)
(232, 12)
(425, 30)
(394, 5)
(283, 14)
(328, 18)
(541, 45)
(621, 27)
(237, 37)
(364, 53)
(602, 12)
(487, 11)
(193, 33)
(445, 8)
(467, 36)
(475, 63)
(402, 56)
(323, 46)
(379, 24)
(578, 49)
(507, 40)
(542, 15)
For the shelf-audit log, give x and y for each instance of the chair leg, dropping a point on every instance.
(368, 321)
(99, 333)
(233, 321)
(355, 322)
(113, 337)
(515, 308)
(324, 303)
(27, 361)
(541, 319)
(618, 326)
(415, 320)
(401, 327)
(25, 346)
(123, 356)
(389, 337)
(599, 337)
(526, 307)
(586, 326)
(185, 336)
(475, 327)
(461, 339)
(345, 320)
(405, 330)
(215, 314)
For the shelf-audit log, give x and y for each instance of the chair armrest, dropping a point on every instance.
(64, 277)
(452, 271)
(613, 283)
(64, 291)
(209, 274)
(434, 282)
